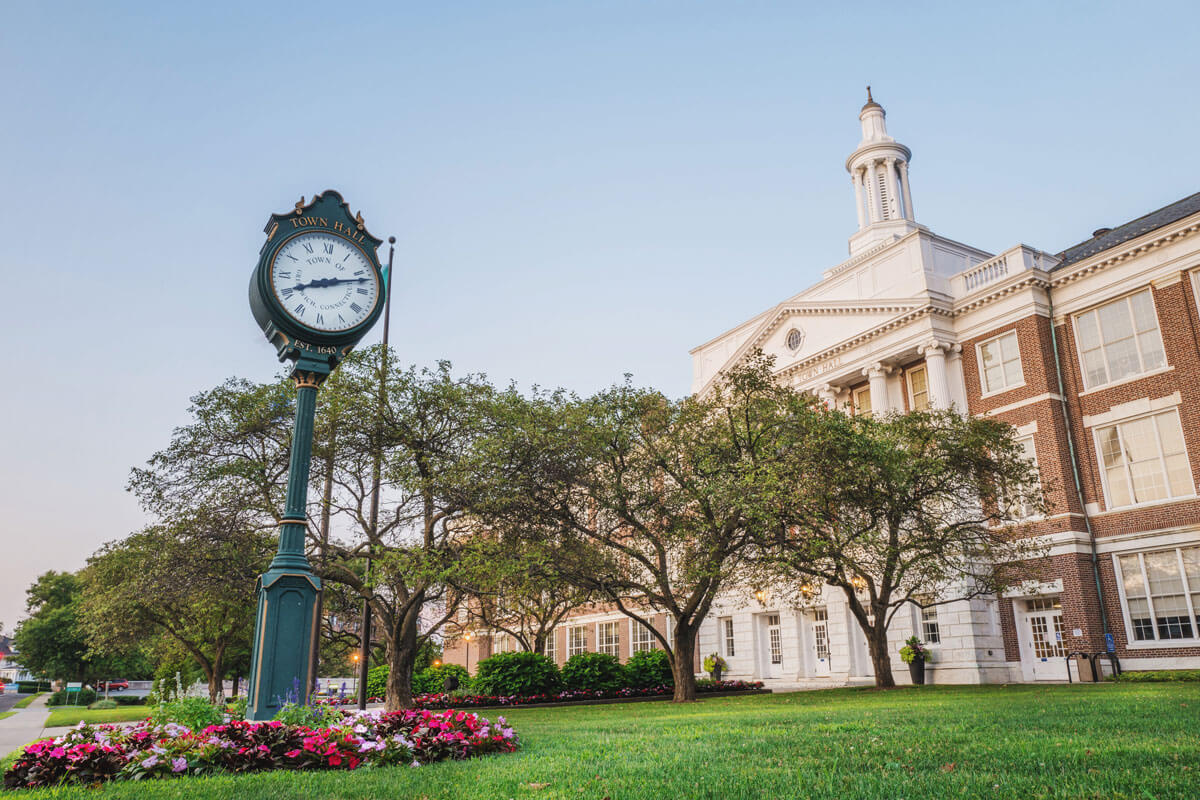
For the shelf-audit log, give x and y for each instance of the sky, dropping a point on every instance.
(578, 190)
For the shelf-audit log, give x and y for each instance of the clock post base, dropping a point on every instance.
(285, 633)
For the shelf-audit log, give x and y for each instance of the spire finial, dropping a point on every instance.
(869, 98)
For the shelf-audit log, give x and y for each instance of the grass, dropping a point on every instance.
(1108, 741)
(24, 702)
(63, 716)
(6, 714)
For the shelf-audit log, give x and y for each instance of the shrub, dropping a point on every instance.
(103, 704)
(62, 697)
(30, 687)
(593, 672)
(236, 708)
(195, 713)
(128, 700)
(517, 673)
(715, 662)
(649, 668)
(377, 678)
(433, 679)
(1160, 676)
(309, 716)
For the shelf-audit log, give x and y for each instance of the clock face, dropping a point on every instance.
(324, 282)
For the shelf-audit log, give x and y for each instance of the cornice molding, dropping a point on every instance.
(1088, 266)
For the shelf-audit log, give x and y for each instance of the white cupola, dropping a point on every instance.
(879, 172)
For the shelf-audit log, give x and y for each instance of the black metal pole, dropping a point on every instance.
(364, 657)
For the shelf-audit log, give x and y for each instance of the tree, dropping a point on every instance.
(423, 424)
(646, 499)
(895, 508)
(514, 586)
(190, 579)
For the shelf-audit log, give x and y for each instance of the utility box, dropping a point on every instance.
(1083, 667)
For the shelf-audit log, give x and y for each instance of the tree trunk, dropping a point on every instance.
(236, 680)
(402, 654)
(881, 659)
(683, 666)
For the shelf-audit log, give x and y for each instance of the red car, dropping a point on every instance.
(113, 685)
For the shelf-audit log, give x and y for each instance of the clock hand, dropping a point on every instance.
(319, 282)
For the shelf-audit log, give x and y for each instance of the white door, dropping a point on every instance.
(773, 647)
(820, 635)
(1044, 648)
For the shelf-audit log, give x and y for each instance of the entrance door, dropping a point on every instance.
(773, 641)
(1045, 648)
(820, 632)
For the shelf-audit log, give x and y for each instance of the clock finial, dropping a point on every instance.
(358, 218)
(300, 205)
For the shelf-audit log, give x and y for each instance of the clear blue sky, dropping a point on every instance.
(579, 190)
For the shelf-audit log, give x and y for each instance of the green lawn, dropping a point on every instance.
(25, 701)
(6, 714)
(1107, 741)
(73, 715)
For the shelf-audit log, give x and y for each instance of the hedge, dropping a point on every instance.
(1160, 676)
(433, 679)
(518, 673)
(649, 668)
(593, 672)
(82, 697)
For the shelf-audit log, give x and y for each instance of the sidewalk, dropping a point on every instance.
(23, 727)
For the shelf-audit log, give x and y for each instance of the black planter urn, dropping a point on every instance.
(916, 671)
(716, 674)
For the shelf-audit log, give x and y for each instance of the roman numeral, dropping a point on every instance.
(329, 248)
(307, 246)
(355, 307)
(292, 257)
(341, 318)
(285, 274)
(320, 319)
(361, 290)
(286, 292)
(300, 309)
(360, 272)
(347, 256)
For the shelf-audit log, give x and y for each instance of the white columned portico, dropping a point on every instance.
(827, 393)
(877, 374)
(934, 352)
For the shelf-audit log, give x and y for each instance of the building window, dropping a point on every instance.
(500, 643)
(929, 625)
(775, 639)
(862, 401)
(1119, 340)
(727, 635)
(1000, 363)
(1144, 460)
(918, 389)
(576, 640)
(1162, 593)
(549, 649)
(641, 639)
(795, 339)
(608, 638)
(1021, 508)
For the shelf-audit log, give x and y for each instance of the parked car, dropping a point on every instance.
(115, 685)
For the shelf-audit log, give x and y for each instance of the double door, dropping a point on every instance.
(1044, 649)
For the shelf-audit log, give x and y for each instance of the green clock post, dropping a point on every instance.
(317, 290)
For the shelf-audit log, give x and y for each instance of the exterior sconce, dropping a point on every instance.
(807, 590)
(858, 582)
(761, 596)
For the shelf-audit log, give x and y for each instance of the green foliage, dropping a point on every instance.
(377, 678)
(51, 639)
(190, 711)
(649, 668)
(30, 687)
(1160, 676)
(593, 672)
(128, 700)
(73, 697)
(101, 705)
(25, 702)
(433, 679)
(517, 673)
(714, 662)
(912, 649)
(312, 716)
(236, 708)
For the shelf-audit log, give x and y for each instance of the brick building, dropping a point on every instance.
(1090, 353)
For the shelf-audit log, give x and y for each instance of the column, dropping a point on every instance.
(893, 190)
(877, 373)
(908, 209)
(873, 193)
(856, 177)
(935, 368)
(828, 393)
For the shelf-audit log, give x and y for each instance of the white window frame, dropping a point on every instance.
(728, 643)
(500, 642)
(856, 402)
(605, 644)
(1027, 513)
(912, 397)
(1110, 381)
(640, 637)
(550, 650)
(925, 624)
(988, 391)
(1156, 643)
(1096, 443)
(572, 649)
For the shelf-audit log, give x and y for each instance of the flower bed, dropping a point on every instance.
(94, 754)
(443, 701)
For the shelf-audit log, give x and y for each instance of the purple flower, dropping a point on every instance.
(179, 764)
(150, 762)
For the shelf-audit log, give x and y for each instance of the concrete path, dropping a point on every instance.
(23, 727)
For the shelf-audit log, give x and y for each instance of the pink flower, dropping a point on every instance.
(179, 764)
(292, 753)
